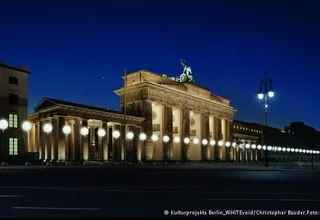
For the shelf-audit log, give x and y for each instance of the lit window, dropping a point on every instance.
(13, 146)
(13, 121)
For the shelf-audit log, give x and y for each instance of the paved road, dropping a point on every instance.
(147, 191)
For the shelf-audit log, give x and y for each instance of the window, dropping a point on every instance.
(13, 146)
(13, 99)
(13, 121)
(13, 80)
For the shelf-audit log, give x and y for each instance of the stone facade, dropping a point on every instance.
(178, 110)
(56, 146)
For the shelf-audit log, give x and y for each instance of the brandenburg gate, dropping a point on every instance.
(196, 124)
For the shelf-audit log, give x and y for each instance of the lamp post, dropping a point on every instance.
(265, 92)
(204, 143)
(101, 133)
(212, 144)
(26, 127)
(165, 139)
(3, 126)
(228, 144)
(176, 140)
(47, 128)
(115, 135)
(66, 130)
(130, 136)
(234, 145)
(84, 131)
(220, 144)
(186, 141)
(154, 139)
(142, 138)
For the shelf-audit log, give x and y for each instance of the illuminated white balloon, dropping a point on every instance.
(84, 131)
(166, 139)
(26, 126)
(143, 136)
(212, 142)
(186, 140)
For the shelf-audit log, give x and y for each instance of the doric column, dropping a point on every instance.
(54, 139)
(167, 130)
(148, 149)
(77, 139)
(185, 132)
(71, 143)
(37, 139)
(85, 143)
(205, 135)
(105, 151)
(49, 143)
(62, 141)
(139, 145)
(42, 141)
(224, 130)
(212, 136)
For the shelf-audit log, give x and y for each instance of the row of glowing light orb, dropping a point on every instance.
(47, 128)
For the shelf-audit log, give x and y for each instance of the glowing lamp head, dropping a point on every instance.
(279, 149)
(47, 128)
(66, 129)
(26, 126)
(220, 143)
(304, 151)
(269, 148)
(271, 94)
(3, 124)
(314, 152)
(176, 139)
(212, 142)
(166, 139)
(300, 150)
(234, 144)
(259, 147)
(204, 142)
(195, 141)
(130, 135)
(292, 149)
(296, 150)
(101, 132)
(288, 149)
(228, 144)
(186, 140)
(143, 136)
(247, 146)
(253, 146)
(308, 151)
(116, 134)
(84, 131)
(264, 147)
(260, 96)
(154, 137)
(284, 149)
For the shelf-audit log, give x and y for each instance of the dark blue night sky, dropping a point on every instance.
(77, 51)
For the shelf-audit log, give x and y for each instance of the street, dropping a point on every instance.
(148, 191)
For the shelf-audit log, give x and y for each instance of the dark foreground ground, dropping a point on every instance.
(157, 191)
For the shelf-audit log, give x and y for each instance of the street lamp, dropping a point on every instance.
(195, 141)
(154, 139)
(115, 135)
(265, 92)
(130, 136)
(234, 145)
(66, 130)
(26, 127)
(47, 128)
(84, 131)
(101, 133)
(165, 139)
(204, 142)
(186, 141)
(3, 126)
(142, 138)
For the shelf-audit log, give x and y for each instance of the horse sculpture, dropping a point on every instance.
(186, 75)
